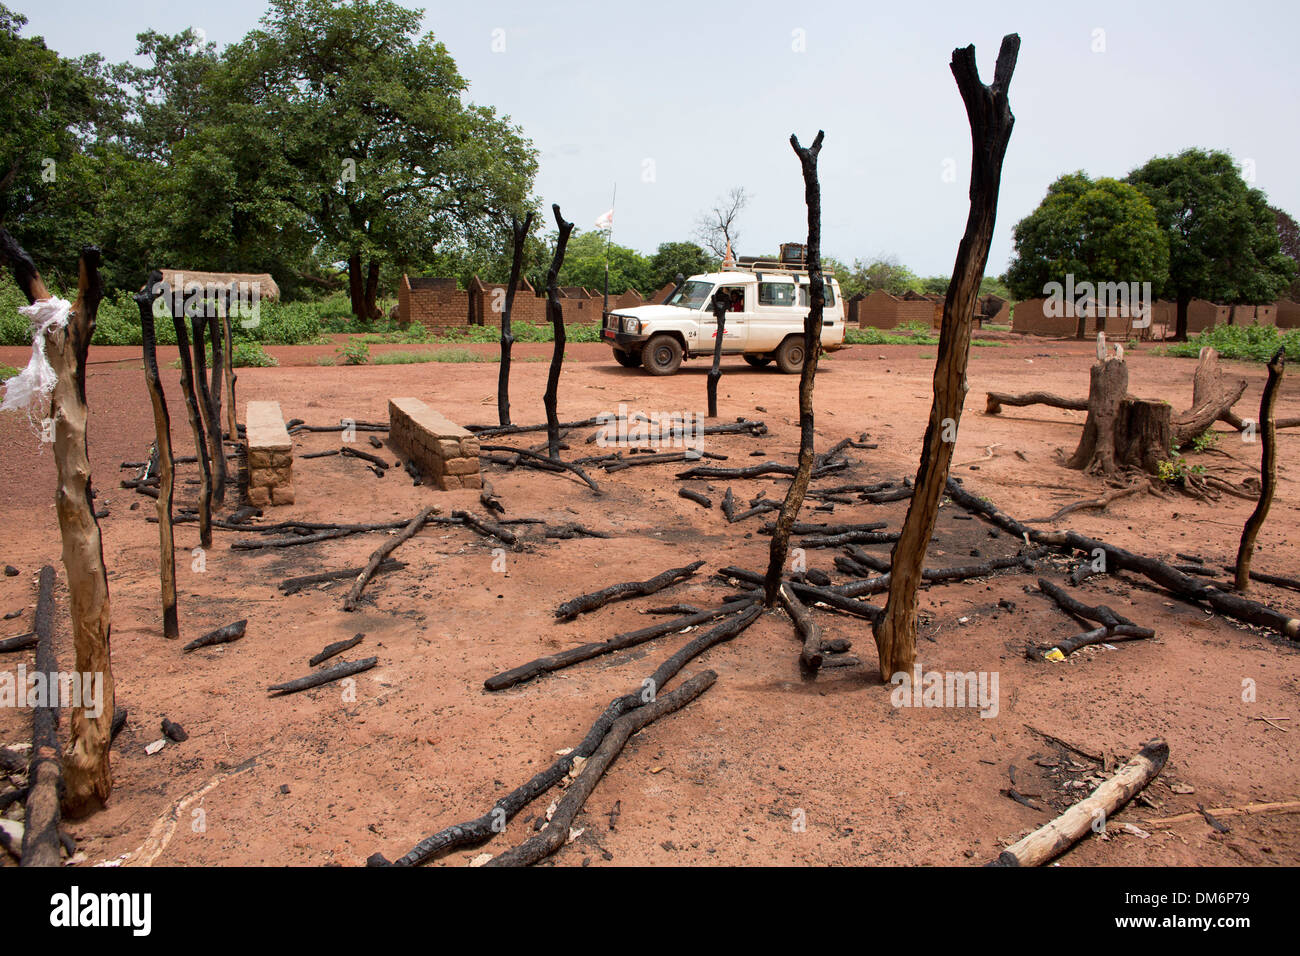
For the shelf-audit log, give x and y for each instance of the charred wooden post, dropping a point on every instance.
(217, 333)
(812, 337)
(519, 232)
(326, 676)
(166, 459)
(720, 306)
(208, 418)
(622, 592)
(196, 426)
(232, 425)
(222, 635)
(44, 771)
(991, 122)
(1267, 469)
(556, 314)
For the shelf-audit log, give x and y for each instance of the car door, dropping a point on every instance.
(735, 328)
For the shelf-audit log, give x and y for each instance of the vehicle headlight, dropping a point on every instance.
(631, 325)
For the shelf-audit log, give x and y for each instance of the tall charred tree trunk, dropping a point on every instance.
(1267, 469)
(211, 424)
(812, 342)
(1180, 321)
(556, 315)
(162, 428)
(372, 291)
(196, 426)
(991, 122)
(519, 234)
(217, 333)
(356, 286)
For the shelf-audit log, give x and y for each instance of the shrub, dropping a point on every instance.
(251, 355)
(354, 353)
(1250, 343)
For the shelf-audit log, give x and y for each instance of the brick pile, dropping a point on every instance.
(440, 448)
(270, 456)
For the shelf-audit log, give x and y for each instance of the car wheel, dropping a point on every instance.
(628, 359)
(758, 361)
(662, 355)
(789, 357)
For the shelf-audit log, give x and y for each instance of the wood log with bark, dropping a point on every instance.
(1267, 469)
(1091, 814)
(196, 427)
(779, 546)
(483, 828)
(382, 552)
(208, 416)
(519, 233)
(622, 592)
(556, 831)
(40, 846)
(326, 676)
(555, 313)
(991, 122)
(222, 635)
(166, 463)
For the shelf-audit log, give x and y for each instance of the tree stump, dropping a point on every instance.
(1143, 434)
(1107, 389)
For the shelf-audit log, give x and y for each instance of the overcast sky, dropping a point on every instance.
(677, 102)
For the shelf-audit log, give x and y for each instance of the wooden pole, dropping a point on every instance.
(779, 546)
(87, 773)
(719, 330)
(556, 315)
(166, 460)
(232, 429)
(1267, 469)
(519, 233)
(208, 416)
(196, 426)
(990, 121)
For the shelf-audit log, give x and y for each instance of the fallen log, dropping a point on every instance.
(338, 647)
(758, 471)
(547, 464)
(19, 643)
(1181, 585)
(729, 507)
(848, 537)
(493, 431)
(350, 452)
(327, 676)
(292, 541)
(1249, 809)
(829, 597)
(556, 832)
(803, 527)
(1098, 504)
(699, 498)
(488, 529)
(40, 844)
(222, 635)
(322, 454)
(484, 827)
(294, 585)
(573, 530)
(295, 427)
(810, 656)
(1069, 828)
(636, 460)
(762, 508)
(995, 400)
(382, 552)
(585, 652)
(621, 592)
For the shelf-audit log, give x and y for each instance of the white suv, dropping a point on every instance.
(765, 322)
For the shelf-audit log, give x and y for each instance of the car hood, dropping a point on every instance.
(652, 312)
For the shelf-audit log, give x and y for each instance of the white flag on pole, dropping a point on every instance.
(606, 222)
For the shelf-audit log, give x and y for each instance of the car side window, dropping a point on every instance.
(828, 291)
(776, 293)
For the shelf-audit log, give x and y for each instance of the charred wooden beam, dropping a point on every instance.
(326, 676)
(1267, 470)
(222, 635)
(382, 552)
(40, 845)
(294, 585)
(332, 650)
(621, 592)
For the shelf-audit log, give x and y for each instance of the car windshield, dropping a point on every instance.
(692, 295)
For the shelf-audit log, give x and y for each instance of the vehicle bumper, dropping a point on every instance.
(624, 341)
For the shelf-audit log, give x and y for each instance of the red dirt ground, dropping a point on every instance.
(423, 745)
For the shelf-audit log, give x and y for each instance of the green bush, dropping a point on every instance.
(251, 355)
(871, 336)
(354, 353)
(1250, 343)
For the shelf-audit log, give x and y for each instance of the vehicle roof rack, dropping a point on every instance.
(774, 265)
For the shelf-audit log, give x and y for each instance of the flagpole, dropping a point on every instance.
(604, 312)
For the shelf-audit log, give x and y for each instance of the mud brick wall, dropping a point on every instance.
(1288, 314)
(1029, 316)
(270, 455)
(439, 448)
(483, 296)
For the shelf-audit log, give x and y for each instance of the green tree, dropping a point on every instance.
(391, 161)
(584, 265)
(1288, 234)
(883, 273)
(1098, 231)
(677, 258)
(1223, 238)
